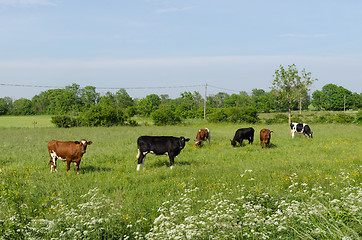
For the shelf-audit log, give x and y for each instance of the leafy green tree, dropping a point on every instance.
(289, 86)
(22, 106)
(217, 100)
(123, 99)
(188, 104)
(147, 105)
(165, 116)
(333, 98)
(89, 96)
(238, 100)
(4, 106)
(262, 101)
(103, 115)
(108, 99)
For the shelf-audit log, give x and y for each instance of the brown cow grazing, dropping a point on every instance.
(66, 151)
(202, 135)
(265, 135)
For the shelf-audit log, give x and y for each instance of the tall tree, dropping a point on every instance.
(333, 97)
(289, 86)
(89, 96)
(149, 104)
(123, 99)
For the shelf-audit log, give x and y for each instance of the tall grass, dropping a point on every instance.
(298, 189)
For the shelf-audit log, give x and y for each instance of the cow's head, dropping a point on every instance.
(267, 133)
(183, 141)
(83, 145)
(197, 142)
(233, 142)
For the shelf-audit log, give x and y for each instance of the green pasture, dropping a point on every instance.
(109, 199)
(25, 121)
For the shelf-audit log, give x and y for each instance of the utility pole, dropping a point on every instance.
(205, 101)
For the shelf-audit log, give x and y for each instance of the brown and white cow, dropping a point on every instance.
(265, 135)
(67, 151)
(202, 135)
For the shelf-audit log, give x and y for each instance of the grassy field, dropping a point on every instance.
(298, 189)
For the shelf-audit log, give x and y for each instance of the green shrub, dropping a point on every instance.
(165, 116)
(297, 118)
(103, 115)
(234, 114)
(359, 117)
(343, 118)
(63, 121)
(278, 118)
(218, 115)
(130, 112)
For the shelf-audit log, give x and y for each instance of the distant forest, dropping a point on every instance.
(73, 100)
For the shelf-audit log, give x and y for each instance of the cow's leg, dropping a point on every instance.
(77, 166)
(292, 132)
(262, 144)
(172, 161)
(140, 159)
(241, 142)
(68, 164)
(53, 161)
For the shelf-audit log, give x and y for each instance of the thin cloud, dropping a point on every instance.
(294, 35)
(166, 10)
(16, 3)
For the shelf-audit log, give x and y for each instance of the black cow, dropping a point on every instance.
(301, 128)
(159, 145)
(241, 134)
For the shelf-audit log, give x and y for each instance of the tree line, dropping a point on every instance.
(74, 99)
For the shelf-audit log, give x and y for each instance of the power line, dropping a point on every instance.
(103, 88)
(26, 85)
(223, 88)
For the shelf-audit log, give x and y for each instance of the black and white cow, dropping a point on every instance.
(301, 128)
(159, 145)
(241, 134)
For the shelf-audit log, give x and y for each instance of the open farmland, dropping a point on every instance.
(298, 189)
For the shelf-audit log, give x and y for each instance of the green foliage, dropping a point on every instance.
(165, 116)
(4, 106)
(289, 87)
(63, 121)
(130, 111)
(234, 115)
(335, 98)
(103, 115)
(359, 117)
(218, 115)
(343, 118)
(22, 106)
(277, 118)
(147, 105)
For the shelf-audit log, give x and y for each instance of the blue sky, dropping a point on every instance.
(176, 45)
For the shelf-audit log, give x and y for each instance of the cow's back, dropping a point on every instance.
(63, 149)
(157, 144)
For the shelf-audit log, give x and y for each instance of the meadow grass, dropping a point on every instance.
(25, 121)
(298, 189)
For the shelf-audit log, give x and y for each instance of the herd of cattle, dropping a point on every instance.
(72, 151)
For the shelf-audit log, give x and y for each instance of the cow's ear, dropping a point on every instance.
(271, 131)
(187, 139)
(89, 143)
(76, 142)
